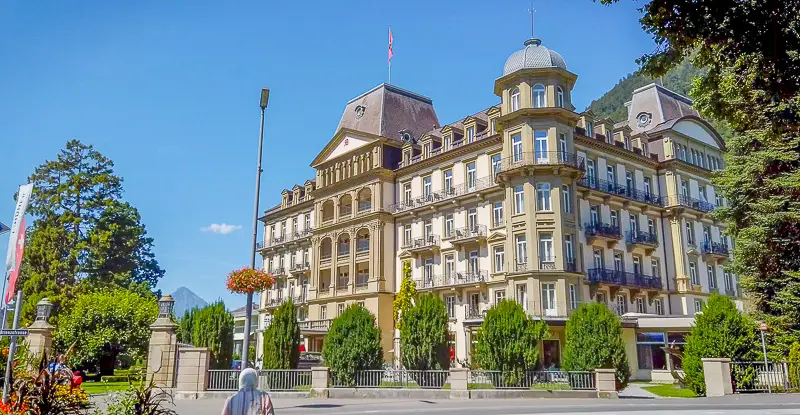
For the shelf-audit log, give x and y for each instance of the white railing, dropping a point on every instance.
(272, 380)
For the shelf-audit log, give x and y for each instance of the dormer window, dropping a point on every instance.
(470, 134)
(514, 99)
(589, 129)
(494, 126)
(559, 97)
(538, 96)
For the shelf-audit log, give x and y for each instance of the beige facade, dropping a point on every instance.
(526, 200)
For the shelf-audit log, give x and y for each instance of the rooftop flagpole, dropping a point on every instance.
(391, 53)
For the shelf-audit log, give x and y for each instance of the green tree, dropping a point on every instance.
(186, 327)
(353, 343)
(423, 337)
(594, 341)
(508, 341)
(105, 323)
(719, 331)
(405, 296)
(282, 339)
(213, 328)
(752, 79)
(794, 366)
(83, 236)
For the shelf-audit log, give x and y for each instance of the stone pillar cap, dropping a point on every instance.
(716, 359)
(605, 370)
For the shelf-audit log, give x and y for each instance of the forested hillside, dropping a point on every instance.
(612, 104)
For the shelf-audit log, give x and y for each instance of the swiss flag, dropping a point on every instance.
(391, 40)
(12, 278)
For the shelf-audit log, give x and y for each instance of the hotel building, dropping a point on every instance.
(526, 200)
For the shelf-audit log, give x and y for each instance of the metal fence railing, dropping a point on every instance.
(394, 378)
(272, 380)
(754, 377)
(544, 380)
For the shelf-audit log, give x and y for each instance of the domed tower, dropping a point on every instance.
(539, 171)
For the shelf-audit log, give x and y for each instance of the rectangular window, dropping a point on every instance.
(684, 188)
(427, 231)
(323, 312)
(622, 304)
(473, 262)
(567, 200)
(712, 276)
(522, 295)
(651, 227)
(339, 309)
(470, 134)
(407, 192)
(426, 150)
(472, 218)
(540, 145)
(650, 351)
(497, 214)
(308, 221)
(654, 268)
(568, 252)
(450, 302)
(632, 224)
(449, 225)
(627, 143)
(522, 249)
(494, 125)
(698, 306)
(283, 229)
(519, 199)
(499, 295)
(647, 186)
(499, 259)
(619, 265)
(690, 233)
(693, 273)
(659, 306)
(448, 181)
(407, 235)
(573, 297)
(549, 307)
(516, 148)
(610, 175)
(728, 281)
(471, 176)
(598, 258)
(590, 172)
(546, 252)
(496, 166)
(447, 140)
(629, 184)
(614, 219)
(428, 269)
(449, 266)
(637, 265)
(427, 187)
(562, 146)
(543, 197)
(640, 306)
(594, 215)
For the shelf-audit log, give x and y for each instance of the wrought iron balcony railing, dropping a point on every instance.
(421, 243)
(623, 191)
(469, 232)
(545, 158)
(715, 248)
(444, 194)
(641, 237)
(602, 229)
(693, 203)
(629, 279)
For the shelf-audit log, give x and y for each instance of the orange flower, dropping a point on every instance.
(247, 281)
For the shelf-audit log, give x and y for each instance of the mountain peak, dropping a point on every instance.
(186, 299)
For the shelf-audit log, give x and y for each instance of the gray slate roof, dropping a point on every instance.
(533, 55)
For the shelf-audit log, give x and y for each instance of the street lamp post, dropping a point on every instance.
(249, 307)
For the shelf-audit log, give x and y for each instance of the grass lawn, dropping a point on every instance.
(94, 388)
(670, 391)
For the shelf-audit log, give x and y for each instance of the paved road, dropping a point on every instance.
(736, 405)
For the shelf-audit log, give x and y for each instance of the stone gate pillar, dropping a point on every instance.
(163, 351)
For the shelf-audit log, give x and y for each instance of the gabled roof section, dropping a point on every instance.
(386, 110)
(660, 103)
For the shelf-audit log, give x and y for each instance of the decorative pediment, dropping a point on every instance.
(404, 254)
(343, 142)
(496, 237)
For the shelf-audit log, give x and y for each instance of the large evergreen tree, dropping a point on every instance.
(423, 337)
(594, 340)
(213, 328)
(752, 80)
(508, 341)
(282, 339)
(83, 236)
(719, 331)
(353, 343)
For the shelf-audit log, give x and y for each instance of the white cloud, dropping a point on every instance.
(221, 228)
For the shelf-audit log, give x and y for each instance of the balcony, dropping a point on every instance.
(474, 312)
(622, 278)
(468, 235)
(301, 267)
(325, 292)
(278, 271)
(715, 251)
(612, 188)
(547, 264)
(342, 286)
(302, 234)
(364, 207)
(453, 280)
(641, 241)
(602, 232)
(345, 212)
(521, 266)
(444, 195)
(424, 244)
(691, 203)
(362, 283)
(525, 164)
(551, 309)
(301, 297)
(315, 326)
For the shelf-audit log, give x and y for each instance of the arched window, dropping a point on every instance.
(538, 96)
(559, 97)
(514, 99)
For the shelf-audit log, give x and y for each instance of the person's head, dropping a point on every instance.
(61, 358)
(248, 378)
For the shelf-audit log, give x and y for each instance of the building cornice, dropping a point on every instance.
(682, 165)
(608, 148)
(570, 117)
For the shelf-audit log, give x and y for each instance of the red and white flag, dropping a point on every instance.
(18, 252)
(391, 39)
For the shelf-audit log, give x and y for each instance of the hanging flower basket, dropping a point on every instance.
(248, 281)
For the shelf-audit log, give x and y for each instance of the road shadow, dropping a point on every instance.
(318, 406)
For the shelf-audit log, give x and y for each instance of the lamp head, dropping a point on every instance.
(264, 97)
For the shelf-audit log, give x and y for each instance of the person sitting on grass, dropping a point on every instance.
(248, 400)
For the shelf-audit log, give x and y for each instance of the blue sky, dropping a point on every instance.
(170, 94)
